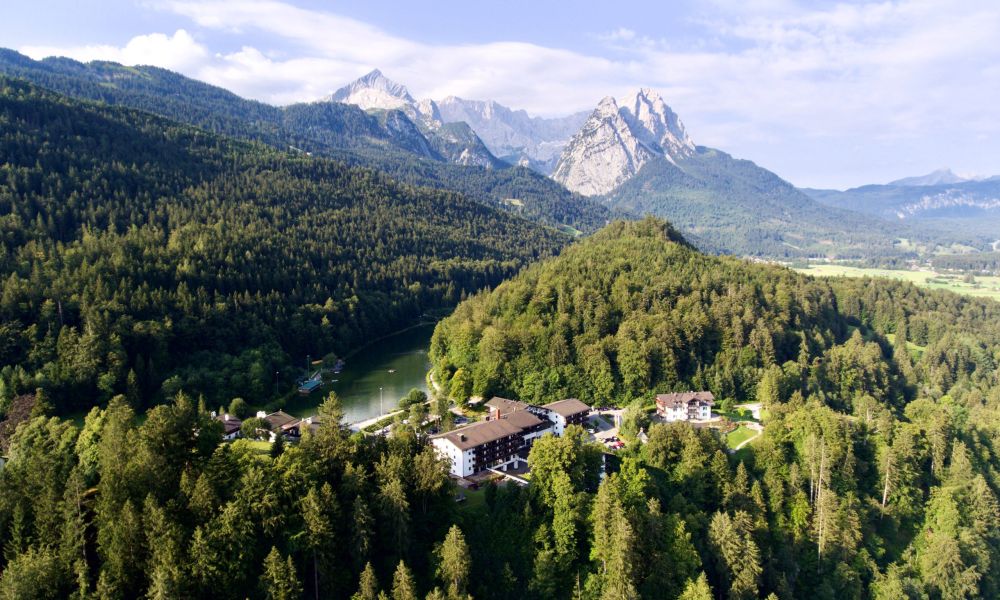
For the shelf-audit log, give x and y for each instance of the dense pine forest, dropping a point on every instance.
(877, 472)
(140, 256)
(876, 476)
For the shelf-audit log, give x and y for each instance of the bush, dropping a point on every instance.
(239, 408)
(415, 396)
(252, 428)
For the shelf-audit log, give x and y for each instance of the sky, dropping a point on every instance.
(825, 94)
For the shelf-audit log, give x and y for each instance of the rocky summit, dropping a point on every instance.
(618, 139)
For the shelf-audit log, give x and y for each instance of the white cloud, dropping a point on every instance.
(179, 52)
(759, 81)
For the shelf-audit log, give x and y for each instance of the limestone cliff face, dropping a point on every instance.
(618, 139)
(453, 142)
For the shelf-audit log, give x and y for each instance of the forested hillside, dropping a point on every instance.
(734, 206)
(330, 129)
(876, 476)
(140, 256)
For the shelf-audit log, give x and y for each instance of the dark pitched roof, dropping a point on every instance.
(506, 406)
(568, 407)
(280, 420)
(229, 423)
(684, 398)
(485, 432)
(522, 419)
(480, 433)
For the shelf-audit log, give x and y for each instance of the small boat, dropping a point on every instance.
(392, 370)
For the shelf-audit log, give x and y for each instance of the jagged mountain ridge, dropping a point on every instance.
(333, 129)
(718, 202)
(456, 142)
(513, 135)
(617, 140)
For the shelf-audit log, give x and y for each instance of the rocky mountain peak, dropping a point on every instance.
(374, 90)
(618, 138)
(655, 123)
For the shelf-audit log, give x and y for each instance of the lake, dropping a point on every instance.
(404, 353)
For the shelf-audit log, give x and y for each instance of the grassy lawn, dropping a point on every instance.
(985, 286)
(474, 500)
(739, 435)
(737, 414)
(259, 447)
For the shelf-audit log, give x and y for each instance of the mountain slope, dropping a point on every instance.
(637, 156)
(941, 176)
(456, 143)
(336, 130)
(616, 141)
(513, 135)
(737, 207)
(928, 201)
(139, 253)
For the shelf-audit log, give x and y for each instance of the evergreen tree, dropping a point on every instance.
(403, 585)
(278, 580)
(453, 557)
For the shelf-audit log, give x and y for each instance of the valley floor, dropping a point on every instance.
(983, 286)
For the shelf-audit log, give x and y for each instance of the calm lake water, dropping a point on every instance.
(358, 384)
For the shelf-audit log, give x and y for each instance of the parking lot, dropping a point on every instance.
(602, 424)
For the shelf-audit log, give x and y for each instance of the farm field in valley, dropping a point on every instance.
(984, 286)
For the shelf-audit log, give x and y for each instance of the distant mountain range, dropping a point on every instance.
(626, 158)
(454, 142)
(938, 195)
(477, 132)
(635, 156)
(385, 139)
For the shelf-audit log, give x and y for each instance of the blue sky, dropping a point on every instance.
(826, 94)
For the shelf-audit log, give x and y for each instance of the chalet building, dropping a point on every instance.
(563, 413)
(510, 429)
(285, 424)
(230, 426)
(685, 406)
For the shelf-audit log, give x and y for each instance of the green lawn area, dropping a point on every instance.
(474, 500)
(258, 446)
(739, 435)
(985, 286)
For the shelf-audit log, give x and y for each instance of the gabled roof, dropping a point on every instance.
(280, 420)
(505, 406)
(567, 408)
(480, 433)
(229, 423)
(679, 399)
(522, 419)
(485, 432)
